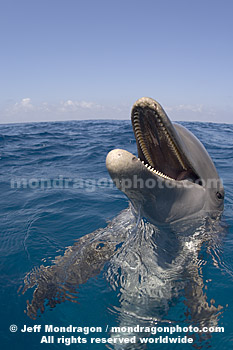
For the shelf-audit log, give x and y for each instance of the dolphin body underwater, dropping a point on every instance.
(150, 250)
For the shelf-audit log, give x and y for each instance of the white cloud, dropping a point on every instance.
(26, 102)
(24, 105)
(76, 105)
(26, 111)
(69, 103)
(182, 107)
(68, 106)
(190, 112)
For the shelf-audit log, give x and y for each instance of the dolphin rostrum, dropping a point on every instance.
(151, 247)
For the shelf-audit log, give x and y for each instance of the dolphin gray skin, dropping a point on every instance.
(174, 177)
(152, 248)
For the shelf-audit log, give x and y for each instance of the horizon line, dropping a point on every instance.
(109, 119)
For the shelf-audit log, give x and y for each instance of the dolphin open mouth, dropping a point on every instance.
(159, 146)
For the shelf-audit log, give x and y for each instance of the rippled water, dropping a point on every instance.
(64, 194)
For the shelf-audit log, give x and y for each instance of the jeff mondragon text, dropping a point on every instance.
(121, 330)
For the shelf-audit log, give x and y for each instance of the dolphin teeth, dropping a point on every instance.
(143, 146)
(166, 133)
(173, 147)
(149, 167)
(161, 174)
(144, 149)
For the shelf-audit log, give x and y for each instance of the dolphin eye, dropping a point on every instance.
(219, 195)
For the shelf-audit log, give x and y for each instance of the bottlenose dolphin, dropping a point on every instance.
(173, 177)
(152, 247)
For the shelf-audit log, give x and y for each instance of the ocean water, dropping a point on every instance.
(55, 189)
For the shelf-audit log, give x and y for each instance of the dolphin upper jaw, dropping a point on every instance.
(158, 199)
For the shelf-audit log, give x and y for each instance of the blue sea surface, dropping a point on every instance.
(54, 189)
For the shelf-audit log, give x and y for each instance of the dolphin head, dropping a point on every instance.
(173, 176)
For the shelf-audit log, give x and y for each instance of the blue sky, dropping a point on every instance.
(71, 59)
